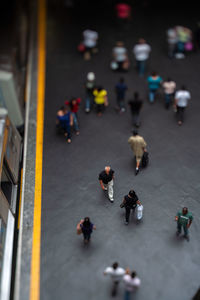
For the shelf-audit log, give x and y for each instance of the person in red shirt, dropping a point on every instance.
(74, 106)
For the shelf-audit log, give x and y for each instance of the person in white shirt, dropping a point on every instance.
(181, 101)
(141, 52)
(169, 87)
(90, 38)
(132, 283)
(116, 273)
(120, 56)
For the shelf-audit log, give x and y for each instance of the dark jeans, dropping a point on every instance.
(114, 288)
(87, 235)
(100, 108)
(128, 211)
(141, 65)
(180, 113)
(67, 129)
(185, 229)
(136, 119)
(120, 102)
(168, 99)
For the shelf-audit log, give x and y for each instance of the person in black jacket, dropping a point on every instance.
(135, 106)
(130, 201)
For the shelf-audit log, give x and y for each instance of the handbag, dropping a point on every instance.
(78, 227)
(139, 213)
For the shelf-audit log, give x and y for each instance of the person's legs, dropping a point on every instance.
(67, 129)
(76, 127)
(110, 190)
(180, 113)
(127, 215)
(179, 227)
(136, 120)
(141, 67)
(87, 103)
(167, 100)
(114, 288)
(105, 186)
(152, 95)
(138, 160)
(185, 229)
(127, 295)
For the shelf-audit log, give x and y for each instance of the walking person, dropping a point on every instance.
(169, 87)
(100, 99)
(89, 87)
(141, 51)
(116, 273)
(65, 121)
(138, 145)
(172, 42)
(135, 106)
(132, 282)
(90, 38)
(120, 57)
(181, 101)
(87, 228)
(106, 181)
(120, 90)
(184, 219)
(74, 107)
(130, 202)
(154, 82)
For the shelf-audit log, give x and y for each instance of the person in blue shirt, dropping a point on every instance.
(154, 82)
(120, 90)
(65, 121)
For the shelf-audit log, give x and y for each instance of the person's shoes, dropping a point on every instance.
(111, 200)
(186, 237)
(77, 132)
(136, 171)
(87, 110)
(179, 123)
(177, 233)
(69, 141)
(126, 223)
(87, 56)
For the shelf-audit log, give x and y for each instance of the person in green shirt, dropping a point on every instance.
(184, 219)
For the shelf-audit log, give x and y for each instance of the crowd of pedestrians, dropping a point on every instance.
(96, 98)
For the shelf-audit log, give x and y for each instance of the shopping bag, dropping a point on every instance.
(139, 212)
(78, 227)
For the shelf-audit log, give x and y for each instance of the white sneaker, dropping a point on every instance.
(111, 200)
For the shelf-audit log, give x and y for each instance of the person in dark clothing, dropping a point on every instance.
(121, 89)
(130, 201)
(65, 121)
(87, 227)
(135, 106)
(106, 181)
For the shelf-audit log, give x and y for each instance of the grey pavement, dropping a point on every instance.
(168, 267)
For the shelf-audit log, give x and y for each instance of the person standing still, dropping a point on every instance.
(184, 219)
(138, 145)
(169, 87)
(106, 181)
(132, 283)
(130, 202)
(116, 273)
(121, 89)
(141, 51)
(135, 107)
(154, 82)
(181, 101)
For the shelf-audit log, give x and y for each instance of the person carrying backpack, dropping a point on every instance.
(130, 201)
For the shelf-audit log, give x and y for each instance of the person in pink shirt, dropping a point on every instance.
(74, 107)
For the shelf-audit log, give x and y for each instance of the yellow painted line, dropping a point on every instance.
(20, 200)
(35, 262)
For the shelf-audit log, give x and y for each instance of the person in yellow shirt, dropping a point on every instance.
(100, 99)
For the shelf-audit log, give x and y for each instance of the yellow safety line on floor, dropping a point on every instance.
(35, 262)
(20, 200)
